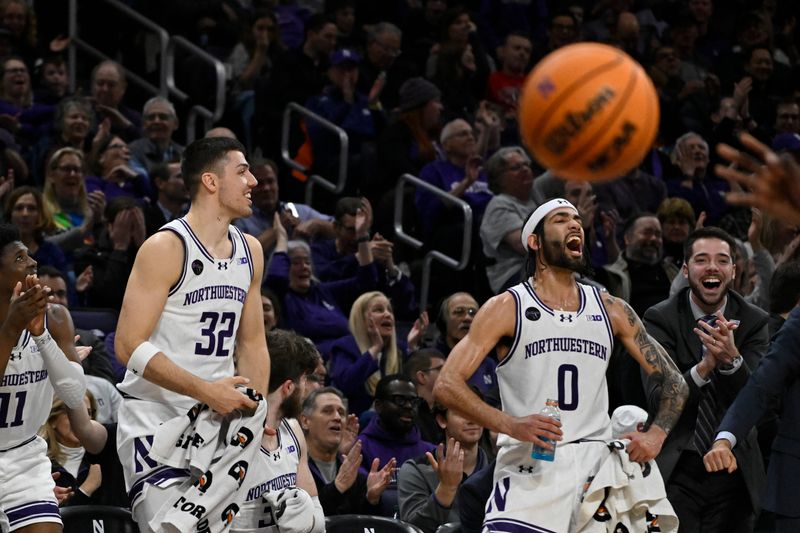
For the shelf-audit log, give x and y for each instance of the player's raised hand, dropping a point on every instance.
(223, 397)
(348, 471)
(720, 457)
(532, 428)
(645, 445)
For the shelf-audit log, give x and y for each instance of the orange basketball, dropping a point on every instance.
(588, 111)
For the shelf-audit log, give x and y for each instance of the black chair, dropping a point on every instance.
(91, 518)
(94, 318)
(450, 527)
(356, 523)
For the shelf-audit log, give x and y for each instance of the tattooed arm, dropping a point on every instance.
(656, 363)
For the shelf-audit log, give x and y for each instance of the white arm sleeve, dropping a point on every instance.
(66, 376)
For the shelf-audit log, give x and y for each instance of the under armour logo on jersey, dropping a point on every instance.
(15, 356)
(222, 266)
(276, 456)
(523, 468)
(565, 318)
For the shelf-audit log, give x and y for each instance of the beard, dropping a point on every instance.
(291, 406)
(555, 255)
(697, 289)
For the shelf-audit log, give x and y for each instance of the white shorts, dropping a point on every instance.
(136, 427)
(27, 486)
(532, 496)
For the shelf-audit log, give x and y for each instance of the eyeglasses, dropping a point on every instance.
(158, 116)
(15, 71)
(69, 169)
(434, 368)
(404, 401)
(460, 311)
(390, 50)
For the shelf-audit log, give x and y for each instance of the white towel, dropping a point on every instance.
(627, 493)
(218, 452)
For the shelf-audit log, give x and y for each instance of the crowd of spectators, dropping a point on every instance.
(424, 87)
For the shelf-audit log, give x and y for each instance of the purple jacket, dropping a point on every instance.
(377, 442)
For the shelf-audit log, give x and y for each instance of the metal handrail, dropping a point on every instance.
(344, 145)
(219, 98)
(466, 244)
(77, 42)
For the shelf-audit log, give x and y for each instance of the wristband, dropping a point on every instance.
(365, 238)
(141, 356)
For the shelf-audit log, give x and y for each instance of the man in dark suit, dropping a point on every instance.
(173, 197)
(715, 338)
(777, 377)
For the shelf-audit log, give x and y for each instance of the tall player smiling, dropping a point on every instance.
(193, 295)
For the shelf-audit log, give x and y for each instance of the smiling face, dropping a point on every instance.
(379, 312)
(16, 80)
(108, 86)
(116, 153)
(75, 124)
(324, 424)
(710, 271)
(398, 409)
(67, 177)
(159, 122)
(462, 430)
(643, 241)
(235, 185)
(299, 270)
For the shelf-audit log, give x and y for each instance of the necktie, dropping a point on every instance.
(707, 421)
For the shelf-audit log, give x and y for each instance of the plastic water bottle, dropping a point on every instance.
(545, 454)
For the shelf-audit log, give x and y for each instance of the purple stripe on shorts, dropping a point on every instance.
(509, 525)
(37, 509)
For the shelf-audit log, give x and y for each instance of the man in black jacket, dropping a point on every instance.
(715, 339)
(341, 488)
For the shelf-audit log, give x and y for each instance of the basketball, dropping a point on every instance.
(588, 111)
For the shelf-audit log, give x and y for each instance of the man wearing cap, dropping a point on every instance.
(553, 338)
(342, 104)
(789, 143)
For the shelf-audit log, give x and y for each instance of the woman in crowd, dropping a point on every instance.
(26, 210)
(312, 308)
(75, 213)
(113, 174)
(82, 452)
(19, 114)
(371, 351)
(73, 120)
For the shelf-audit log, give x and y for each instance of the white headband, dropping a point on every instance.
(537, 216)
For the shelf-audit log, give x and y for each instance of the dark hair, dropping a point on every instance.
(291, 356)
(420, 360)
(784, 288)
(51, 272)
(518, 33)
(347, 205)
(311, 400)
(381, 389)
(316, 22)
(277, 307)
(530, 257)
(631, 222)
(161, 171)
(117, 205)
(709, 232)
(448, 18)
(8, 233)
(203, 155)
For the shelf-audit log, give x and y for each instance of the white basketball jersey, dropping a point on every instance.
(276, 470)
(198, 326)
(559, 355)
(26, 394)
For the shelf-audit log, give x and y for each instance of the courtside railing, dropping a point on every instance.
(400, 233)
